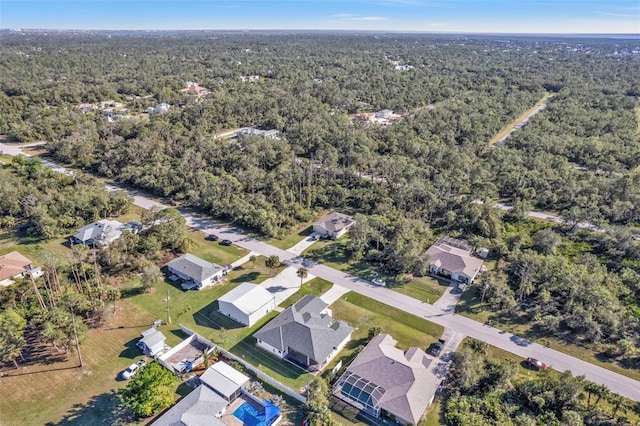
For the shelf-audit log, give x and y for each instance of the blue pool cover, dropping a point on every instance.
(250, 415)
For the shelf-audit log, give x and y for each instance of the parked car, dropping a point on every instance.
(532, 362)
(211, 237)
(133, 369)
(437, 347)
(225, 243)
(378, 281)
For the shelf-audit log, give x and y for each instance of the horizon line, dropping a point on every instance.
(16, 29)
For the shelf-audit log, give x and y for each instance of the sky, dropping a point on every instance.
(446, 16)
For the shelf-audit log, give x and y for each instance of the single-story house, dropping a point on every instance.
(200, 407)
(452, 258)
(385, 113)
(384, 380)
(247, 303)
(225, 380)
(102, 232)
(194, 89)
(195, 271)
(305, 334)
(334, 225)
(13, 265)
(252, 131)
(216, 402)
(152, 342)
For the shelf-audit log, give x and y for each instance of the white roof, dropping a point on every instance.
(247, 297)
(223, 378)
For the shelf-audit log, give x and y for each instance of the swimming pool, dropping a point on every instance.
(250, 415)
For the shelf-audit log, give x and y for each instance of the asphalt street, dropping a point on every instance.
(454, 323)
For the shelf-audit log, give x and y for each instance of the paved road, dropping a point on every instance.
(455, 323)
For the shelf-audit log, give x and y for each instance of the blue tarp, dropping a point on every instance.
(271, 411)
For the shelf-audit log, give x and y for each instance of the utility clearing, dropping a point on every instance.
(500, 138)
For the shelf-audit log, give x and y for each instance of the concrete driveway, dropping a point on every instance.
(284, 284)
(302, 245)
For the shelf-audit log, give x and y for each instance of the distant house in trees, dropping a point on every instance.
(305, 334)
(247, 303)
(197, 273)
(194, 89)
(383, 379)
(14, 265)
(86, 107)
(452, 258)
(334, 225)
(264, 134)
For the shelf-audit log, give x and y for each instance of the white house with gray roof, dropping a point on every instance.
(202, 406)
(247, 304)
(305, 334)
(196, 272)
(385, 381)
(225, 380)
(453, 259)
(334, 225)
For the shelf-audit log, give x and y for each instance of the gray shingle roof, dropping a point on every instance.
(194, 267)
(302, 328)
(404, 383)
(335, 221)
(102, 230)
(454, 259)
(199, 408)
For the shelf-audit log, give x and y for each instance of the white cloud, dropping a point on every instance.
(368, 18)
(344, 15)
(621, 15)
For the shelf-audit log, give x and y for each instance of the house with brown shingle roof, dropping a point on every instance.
(195, 89)
(453, 259)
(13, 265)
(385, 381)
(334, 225)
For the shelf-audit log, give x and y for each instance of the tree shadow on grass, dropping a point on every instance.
(103, 409)
(247, 350)
(248, 277)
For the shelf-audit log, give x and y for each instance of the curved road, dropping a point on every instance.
(522, 347)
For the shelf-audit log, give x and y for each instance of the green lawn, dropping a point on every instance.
(428, 289)
(293, 237)
(364, 313)
(254, 272)
(335, 255)
(315, 287)
(59, 391)
(469, 306)
(435, 414)
(212, 251)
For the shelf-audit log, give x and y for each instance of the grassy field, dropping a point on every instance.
(62, 392)
(364, 313)
(469, 306)
(334, 254)
(517, 120)
(253, 272)
(295, 235)
(212, 251)
(315, 287)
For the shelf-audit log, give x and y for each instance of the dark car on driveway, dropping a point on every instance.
(437, 347)
(225, 243)
(532, 362)
(211, 237)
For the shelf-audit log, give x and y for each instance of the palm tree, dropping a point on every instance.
(272, 262)
(253, 259)
(302, 273)
(602, 391)
(616, 402)
(591, 389)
